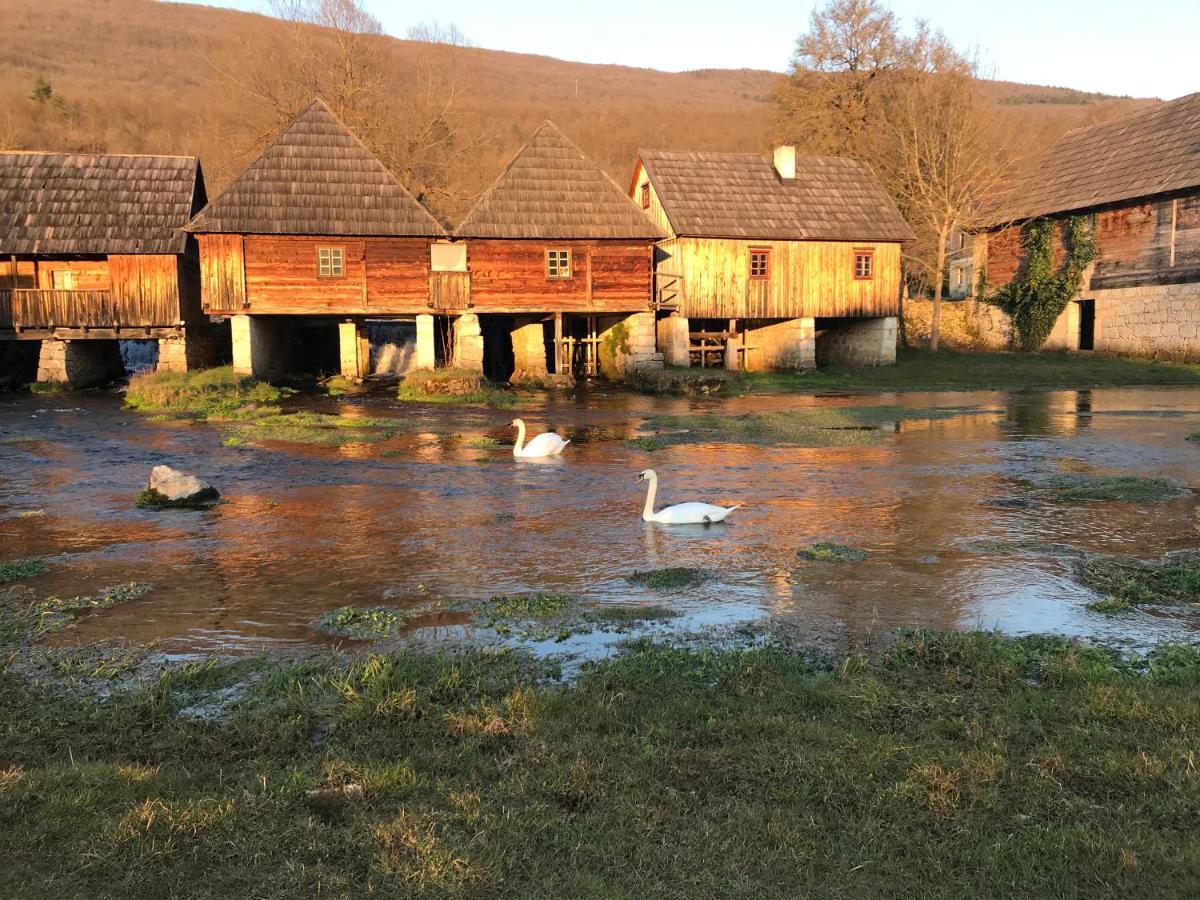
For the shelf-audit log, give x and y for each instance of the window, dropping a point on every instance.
(447, 257)
(646, 195)
(330, 262)
(558, 263)
(760, 263)
(864, 264)
(62, 279)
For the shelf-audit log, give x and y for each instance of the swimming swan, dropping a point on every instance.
(548, 444)
(680, 513)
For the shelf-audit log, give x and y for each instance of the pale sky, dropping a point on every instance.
(1145, 49)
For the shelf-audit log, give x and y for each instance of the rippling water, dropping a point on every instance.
(424, 519)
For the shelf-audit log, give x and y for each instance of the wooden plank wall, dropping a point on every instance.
(1134, 245)
(90, 274)
(145, 289)
(510, 276)
(398, 274)
(807, 279)
(656, 212)
(222, 273)
(281, 276)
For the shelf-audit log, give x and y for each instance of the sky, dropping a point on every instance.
(1147, 49)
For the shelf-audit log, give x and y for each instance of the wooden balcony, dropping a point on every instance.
(48, 310)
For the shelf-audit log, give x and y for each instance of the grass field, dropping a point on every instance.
(950, 766)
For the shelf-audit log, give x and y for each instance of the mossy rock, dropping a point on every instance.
(149, 498)
(827, 552)
(672, 578)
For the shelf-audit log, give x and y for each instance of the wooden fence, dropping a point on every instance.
(82, 309)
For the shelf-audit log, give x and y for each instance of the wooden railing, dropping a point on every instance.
(667, 286)
(30, 308)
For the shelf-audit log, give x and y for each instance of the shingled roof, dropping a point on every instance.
(1156, 151)
(550, 190)
(316, 177)
(740, 195)
(93, 204)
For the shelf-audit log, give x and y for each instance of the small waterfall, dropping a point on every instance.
(139, 356)
(393, 347)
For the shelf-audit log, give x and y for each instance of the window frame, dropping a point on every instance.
(869, 254)
(765, 253)
(567, 257)
(645, 195)
(341, 258)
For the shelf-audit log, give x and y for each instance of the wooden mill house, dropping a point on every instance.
(1139, 176)
(92, 252)
(772, 264)
(317, 232)
(562, 261)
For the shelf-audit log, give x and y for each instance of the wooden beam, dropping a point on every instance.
(1174, 226)
(558, 343)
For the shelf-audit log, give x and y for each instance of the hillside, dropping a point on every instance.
(142, 76)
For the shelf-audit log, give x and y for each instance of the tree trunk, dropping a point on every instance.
(935, 323)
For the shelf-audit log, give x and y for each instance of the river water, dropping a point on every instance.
(941, 506)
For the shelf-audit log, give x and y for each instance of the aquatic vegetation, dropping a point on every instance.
(821, 426)
(672, 578)
(55, 613)
(1128, 583)
(484, 443)
(455, 386)
(649, 444)
(29, 513)
(360, 622)
(524, 607)
(827, 552)
(631, 615)
(1114, 487)
(21, 568)
(204, 394)
(149, 498)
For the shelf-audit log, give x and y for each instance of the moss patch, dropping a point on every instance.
(1114, 487)
(458, 386)
(627, 615)
(525, 607)
(149, 498)
(21, 568)
(827, 552)
(48, 387)
(1128, 583)
(649, 444)
(673, 578)
(683, 382)
(360, 622)
(205, 394)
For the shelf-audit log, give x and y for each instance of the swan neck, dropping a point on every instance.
(520, 437)
(648, 512)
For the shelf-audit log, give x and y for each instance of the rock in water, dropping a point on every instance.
(171, 488)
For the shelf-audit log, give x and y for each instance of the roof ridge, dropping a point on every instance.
(99, 155)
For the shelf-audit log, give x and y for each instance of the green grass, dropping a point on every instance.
(18, 569)
(952, 766)
(826, 552)
(670, 579)
(1128, 583)
(920, 370)
(340, 386)
(48, 387)
(1114, 487)
(821, 426)
(454, 386)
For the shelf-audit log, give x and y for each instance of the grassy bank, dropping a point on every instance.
(952, 766)
(920, 370)
(454, 386)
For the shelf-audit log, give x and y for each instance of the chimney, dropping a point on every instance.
(785, 162)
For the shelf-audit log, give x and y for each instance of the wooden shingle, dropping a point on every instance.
(316, 178)
(740, 195)
(96, 204)
(551, 191)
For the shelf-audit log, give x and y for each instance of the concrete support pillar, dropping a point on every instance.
(732, 346)
(858, 343)
(354, 350)
(468, 343)
(627, 344)
(782, 346)
(529, 350)
(80, 363)
(259, 347)
(189, 350)
(673, 340)
(426, 354)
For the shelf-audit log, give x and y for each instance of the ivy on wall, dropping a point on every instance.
(1037, 297)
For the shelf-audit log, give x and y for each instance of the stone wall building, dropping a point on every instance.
(1140, 177)
(772, 264)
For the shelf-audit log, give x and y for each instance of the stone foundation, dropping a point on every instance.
(354, 350)
(260, 347)
(468, 343)
(627, 344)
(964, 325)
(673, 341)
(80, 363)
(786, 345)
(855, 343)
(189, 351)
(529, 351)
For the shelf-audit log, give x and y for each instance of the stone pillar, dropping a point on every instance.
(468, 343)
(354, 350)
(426, 355)
(529, 351)
(673, 340)
(859, 342)
(185, 352)
(80, 363)
(259, 347)
(787, 346)
(628, 344)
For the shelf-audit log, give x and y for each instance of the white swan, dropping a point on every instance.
(547, 444)
(680, 513)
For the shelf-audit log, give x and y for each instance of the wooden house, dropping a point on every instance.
(92, 251)
(768, 263)
(1139, 177)
(318, 230)
(562, 261)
